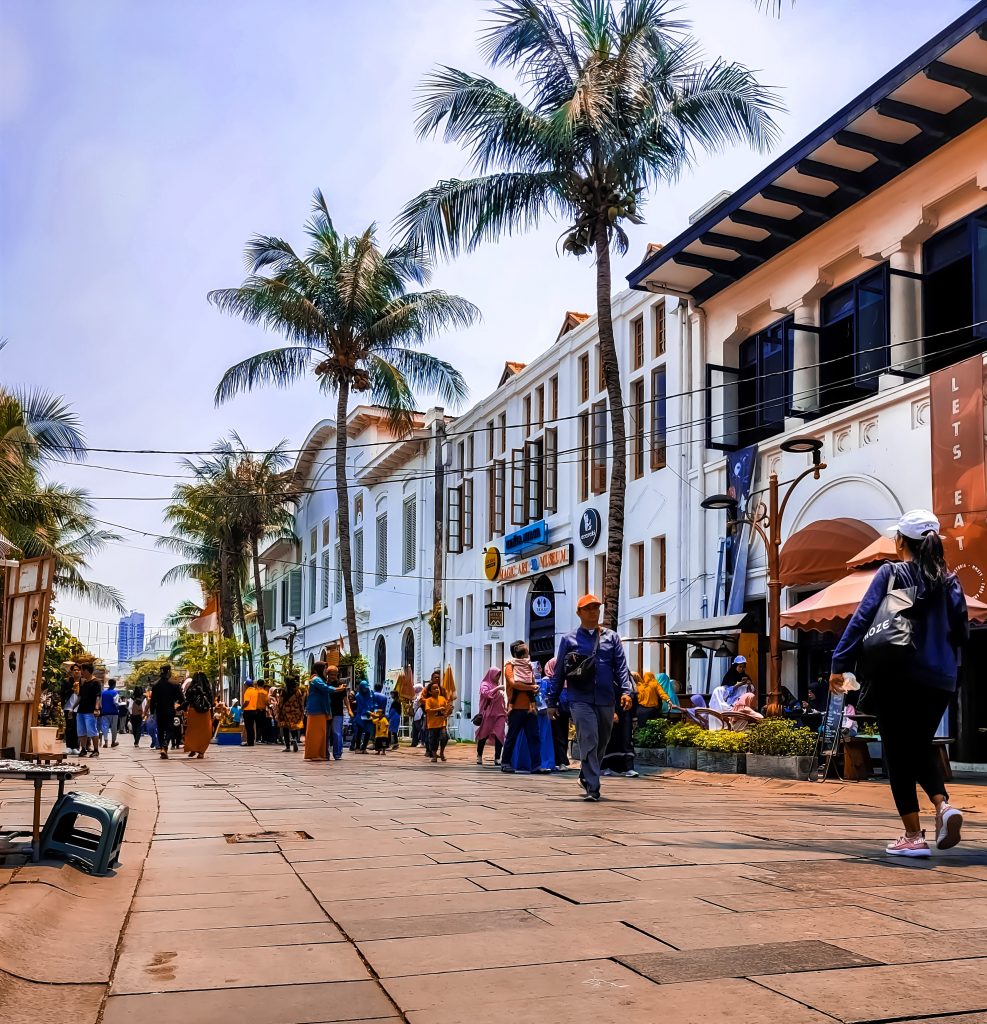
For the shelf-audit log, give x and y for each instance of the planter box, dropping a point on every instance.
(717, 761)
(229, 739)
(654, 757)
(767, 765)
(682, 757)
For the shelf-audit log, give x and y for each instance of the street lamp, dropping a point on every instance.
(767, 525)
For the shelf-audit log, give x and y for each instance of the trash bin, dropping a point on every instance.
(44, 739)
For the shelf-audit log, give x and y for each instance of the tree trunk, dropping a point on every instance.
(618, 470)
(261, 614)
(226, 608)
(241, 613)
(438, 546)
(343, 494)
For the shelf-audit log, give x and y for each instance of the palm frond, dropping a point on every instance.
(280, 367)
(51, 425)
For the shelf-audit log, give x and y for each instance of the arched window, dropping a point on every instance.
(408, 650)
(380, 660)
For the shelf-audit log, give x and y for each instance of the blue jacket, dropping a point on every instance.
(940, 628)
(108, 702)
(612, 676)
(365, 703)
(317, 702)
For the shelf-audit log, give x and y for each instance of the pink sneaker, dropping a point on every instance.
(949, 822)
(910, 846)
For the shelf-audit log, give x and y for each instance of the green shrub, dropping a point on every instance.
(651, 734)
(780, 737)
(723, 742)
(683, 735)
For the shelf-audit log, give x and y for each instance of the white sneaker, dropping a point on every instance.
(949, 822)
(606, 771)
(631, 774)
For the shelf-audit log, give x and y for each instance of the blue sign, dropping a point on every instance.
(590, 527)
(534, 535)
(542, 606)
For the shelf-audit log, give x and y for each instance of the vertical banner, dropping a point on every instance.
(959, 476)
(740, 479)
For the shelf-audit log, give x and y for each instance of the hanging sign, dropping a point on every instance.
(590, 526)
(542, 606)
(534, 535)
(491, 563)
(556, 558)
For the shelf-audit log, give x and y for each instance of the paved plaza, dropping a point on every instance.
(258, 887)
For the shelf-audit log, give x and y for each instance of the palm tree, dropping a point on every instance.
(617, 99)
(349, 319)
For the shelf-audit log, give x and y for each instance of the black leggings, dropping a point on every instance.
(908, 715)
(289, 736)
(498, 747)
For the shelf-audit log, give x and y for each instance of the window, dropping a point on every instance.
(408, 534)
(337, 583)
(764, 382)
(270, 600)
(490, 440)
(467, 514)
(659, 654)
(497, 492)
(583, 456)
(502, 424)
(582, 577)
(659, 321)
(601, 575)
(853, 343)
(358, 509)
(468, 465)
(313, 540)
(659, 389)
(540, 406)
(601, 383)
(637, 428)
(461, 456)
(468, 615)
(635, 651)
(381, 538)
(553, 398)
(550, 444)
(284, 599)
(658, 560)
(955, 293)
(326, 577)
(325, 533)
(312, 585)
(637, 343)
(599, 455)
(358, 561)
(534, 481)
(584, 377)
(295, 593)
(527, 415)
(636, 581)
(454, 521)
(517, 487)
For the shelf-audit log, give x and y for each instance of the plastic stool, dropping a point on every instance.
(100, 850)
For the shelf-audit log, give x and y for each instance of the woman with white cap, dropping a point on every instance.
(914, 680)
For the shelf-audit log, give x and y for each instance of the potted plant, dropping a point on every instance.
(722, 751)
(780, 748)
(649, 743)
(680, 744)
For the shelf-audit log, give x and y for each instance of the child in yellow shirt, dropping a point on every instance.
(382, 731)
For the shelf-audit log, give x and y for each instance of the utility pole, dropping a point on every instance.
(439, 434)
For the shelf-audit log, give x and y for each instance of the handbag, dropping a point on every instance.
(477, 720)
(891, 630)
(579, 670)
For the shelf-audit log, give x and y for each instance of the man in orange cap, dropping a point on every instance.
(591, 666)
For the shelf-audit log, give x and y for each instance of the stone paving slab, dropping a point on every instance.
(475, 902)
(889, 993)
(25, 1002)
(742, 961)
(927, 946)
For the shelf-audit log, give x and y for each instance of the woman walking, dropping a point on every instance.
(318, 712)
(493, 715)
(138, 707)
(291, 713)
(912, 683)
(198, 718)
(165, 696)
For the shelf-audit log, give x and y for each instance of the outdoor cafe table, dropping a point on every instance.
(28, 771)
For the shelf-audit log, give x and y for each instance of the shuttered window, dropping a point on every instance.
(517, 487)
(381, 574)
(467, 514)
(326, 577)
(295, 594)
(599, 457)
(337, 580)
(551, 470)
(454, 520)
(497, 482)
(408, 534)
(312, 585)
(358, 561)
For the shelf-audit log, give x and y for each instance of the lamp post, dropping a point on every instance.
(767, 525)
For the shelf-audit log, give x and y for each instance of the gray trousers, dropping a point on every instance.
(594, 723)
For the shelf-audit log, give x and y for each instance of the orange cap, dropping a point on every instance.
(586, 600)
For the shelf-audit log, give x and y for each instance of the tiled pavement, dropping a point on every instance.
(449, 893)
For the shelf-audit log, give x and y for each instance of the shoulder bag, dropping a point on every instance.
(579, 670)
(891, 631)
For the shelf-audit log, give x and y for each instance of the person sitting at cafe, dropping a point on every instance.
(736, 683)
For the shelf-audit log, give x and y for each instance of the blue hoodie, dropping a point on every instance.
(940, 628)
(364, 702)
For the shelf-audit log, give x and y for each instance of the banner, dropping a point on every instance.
(740, 478)
(959, 477)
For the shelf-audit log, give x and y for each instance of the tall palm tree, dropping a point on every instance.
(348, 316)
(617, 99)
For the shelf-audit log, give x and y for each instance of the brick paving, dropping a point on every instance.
(389, 889)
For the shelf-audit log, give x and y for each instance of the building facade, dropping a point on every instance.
(130, 637)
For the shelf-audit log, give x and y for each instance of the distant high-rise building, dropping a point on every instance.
(130, 637)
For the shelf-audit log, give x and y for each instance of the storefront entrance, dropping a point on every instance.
(541, 620)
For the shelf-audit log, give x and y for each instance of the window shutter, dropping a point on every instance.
(551, 459)
(658, 417)
(295, 594)
(326, 577)
(381, 576)
(312, 585)
(358, 562)
(409, 531)
(517, 487)
(337, 580)
(534, 482)
(269, 602)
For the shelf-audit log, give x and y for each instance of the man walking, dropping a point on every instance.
(109, 714)
(165, 697)
(591, 665)
(88, 711)
(250, 712)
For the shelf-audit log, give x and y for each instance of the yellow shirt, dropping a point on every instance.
(263, 696)
(649, 693)
(436, 712)
(250, 698)
(381, 728)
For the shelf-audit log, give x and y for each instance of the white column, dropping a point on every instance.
(905, 298)
(805, 357)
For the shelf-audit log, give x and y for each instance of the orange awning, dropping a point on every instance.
(881, 550)
(819, 552)
(831, 609)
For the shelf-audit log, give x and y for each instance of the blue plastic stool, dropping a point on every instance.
(100, 850)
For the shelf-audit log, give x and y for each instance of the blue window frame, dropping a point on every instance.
(764, 381)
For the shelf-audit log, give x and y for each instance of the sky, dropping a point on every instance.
(142, 142)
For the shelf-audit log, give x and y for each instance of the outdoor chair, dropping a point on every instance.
(100, 850)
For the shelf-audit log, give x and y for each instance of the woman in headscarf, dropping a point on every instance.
(736, 682)
(493, 715)
(198, 718)
(291, 713)
(746, 705)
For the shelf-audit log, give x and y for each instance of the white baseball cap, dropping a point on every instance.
(915, 524)
(740, 660)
